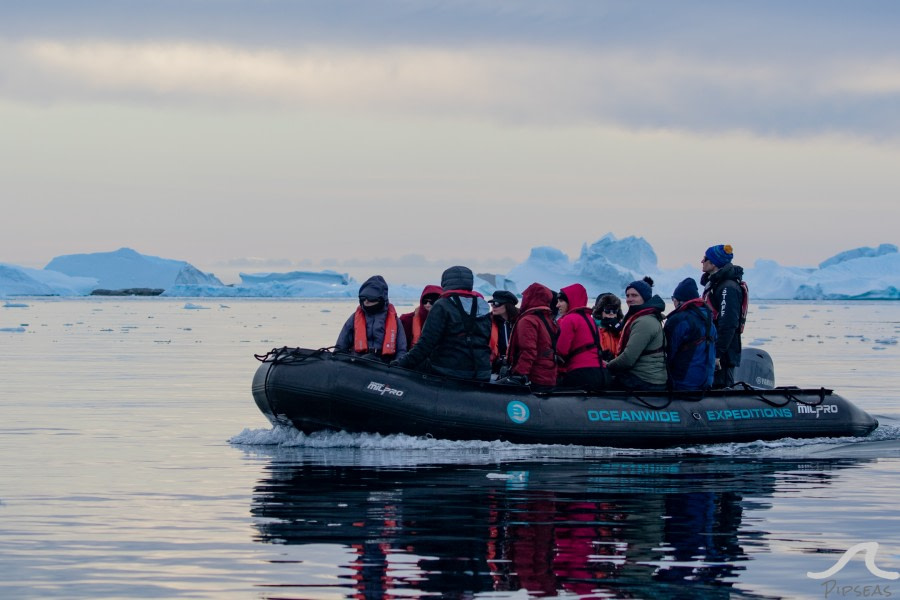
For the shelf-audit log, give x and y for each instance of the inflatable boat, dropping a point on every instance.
(315, 390)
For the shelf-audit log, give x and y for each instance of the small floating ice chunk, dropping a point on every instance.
(15, 305)
(514, 476)
(12, 329)
(192, 306)
(887, 341)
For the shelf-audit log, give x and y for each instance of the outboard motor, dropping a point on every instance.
(756, 369)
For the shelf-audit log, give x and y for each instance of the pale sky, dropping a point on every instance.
(273, 135)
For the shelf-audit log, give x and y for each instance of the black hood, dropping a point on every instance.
(729, 271)
(375, 286)
(458, 278)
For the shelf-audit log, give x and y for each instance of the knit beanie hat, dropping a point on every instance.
(686, 290)
(641, 287)
(720, 255)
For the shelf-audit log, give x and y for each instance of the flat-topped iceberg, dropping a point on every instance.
(126, 268)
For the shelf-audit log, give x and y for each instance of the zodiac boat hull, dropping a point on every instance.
(315, 390)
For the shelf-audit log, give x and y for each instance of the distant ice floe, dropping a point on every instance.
(12, 329)
(607, 265)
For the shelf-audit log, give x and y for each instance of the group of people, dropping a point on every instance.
(554, 340)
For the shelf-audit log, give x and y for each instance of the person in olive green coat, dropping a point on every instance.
(641, 361)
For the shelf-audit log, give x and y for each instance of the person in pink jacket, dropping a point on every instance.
(579, 342)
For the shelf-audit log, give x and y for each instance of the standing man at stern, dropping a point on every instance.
(726, 294)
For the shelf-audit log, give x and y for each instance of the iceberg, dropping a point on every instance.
(126, 268)
(22, 281)
(295, 284)
(859, 253)
(607, 265)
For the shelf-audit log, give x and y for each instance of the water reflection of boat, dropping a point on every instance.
(642, 527)
(313, 390)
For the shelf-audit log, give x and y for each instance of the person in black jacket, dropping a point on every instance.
(726, 297)
(455, 340)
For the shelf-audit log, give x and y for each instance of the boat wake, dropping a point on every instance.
(401, 449)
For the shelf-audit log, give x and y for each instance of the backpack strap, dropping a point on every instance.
(584, 348)
(553, 336)
(705, 339)
(469, 326)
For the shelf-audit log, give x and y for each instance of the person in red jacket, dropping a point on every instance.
(531, 353)
(579, 342)
(415, 320)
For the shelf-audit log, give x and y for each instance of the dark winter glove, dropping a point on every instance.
(514, 380)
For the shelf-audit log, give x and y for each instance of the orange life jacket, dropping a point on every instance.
(418, 322)
(494, 342)
(609, 341)
(360, 337)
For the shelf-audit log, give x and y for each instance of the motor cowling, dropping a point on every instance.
(756, 369)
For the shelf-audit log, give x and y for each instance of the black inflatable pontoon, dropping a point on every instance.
(315, 390)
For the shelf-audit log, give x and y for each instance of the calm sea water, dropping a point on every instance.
(136, 465)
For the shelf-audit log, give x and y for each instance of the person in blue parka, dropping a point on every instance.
(690, 340)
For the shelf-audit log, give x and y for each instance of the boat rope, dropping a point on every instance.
(285, 355)
(788, 394)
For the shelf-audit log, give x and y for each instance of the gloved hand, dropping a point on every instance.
(514, 380)
(394, 363)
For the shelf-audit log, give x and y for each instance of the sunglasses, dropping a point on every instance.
(704, 260)
(370, 298)
(429, 300)
(495, 303)
(610, 311)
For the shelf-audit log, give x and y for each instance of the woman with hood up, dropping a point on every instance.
(579, 342)
(374, 329)
(415, 320)
(641, 361)
(531, 354)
